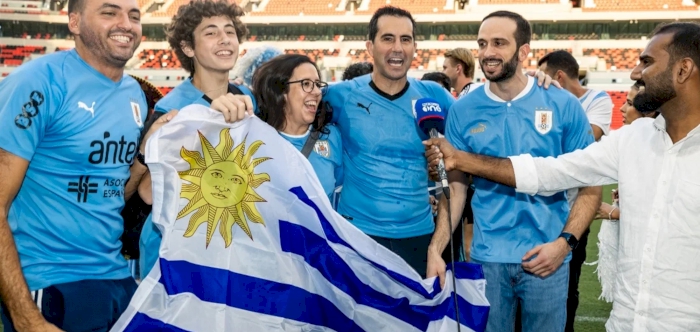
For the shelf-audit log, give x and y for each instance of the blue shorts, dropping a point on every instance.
(86, 305)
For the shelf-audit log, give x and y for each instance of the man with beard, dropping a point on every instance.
(71, 127)
(655, 162)
(518, 239)
(385, 190)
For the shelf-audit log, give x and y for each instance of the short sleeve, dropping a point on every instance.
(578, 133)
(26, 110)
(600, 113)
(453, 129)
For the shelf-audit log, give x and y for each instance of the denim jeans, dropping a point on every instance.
(543, 300)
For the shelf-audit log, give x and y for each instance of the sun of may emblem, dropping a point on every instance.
(221, 182)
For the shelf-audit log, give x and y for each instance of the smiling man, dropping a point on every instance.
(655, 162)
(68, 149)
(385, 191)
(522, 242)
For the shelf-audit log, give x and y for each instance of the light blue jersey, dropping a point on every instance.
(183, 95)
(187, 94)
(326, 157)
(385, 186)
(79, 131)
(538, 122)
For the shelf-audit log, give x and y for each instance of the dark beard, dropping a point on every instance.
(656, 93)
(508, 71)
(98, 46)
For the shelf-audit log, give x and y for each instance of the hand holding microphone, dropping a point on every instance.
(431, 120)
(439, 152)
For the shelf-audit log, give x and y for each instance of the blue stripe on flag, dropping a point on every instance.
(319, 255)
(471, 271)
(141, 322)
(252, 294)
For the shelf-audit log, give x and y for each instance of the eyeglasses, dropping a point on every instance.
(308, 85)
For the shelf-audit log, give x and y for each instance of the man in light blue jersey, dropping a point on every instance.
(205, 36)
(522, 242)
(71, 128)
(598, 105)
(385, 188)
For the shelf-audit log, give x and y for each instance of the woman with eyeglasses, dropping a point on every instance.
(288, 92)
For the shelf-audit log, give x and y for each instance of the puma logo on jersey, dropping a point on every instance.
(90, 109)
(360, 105)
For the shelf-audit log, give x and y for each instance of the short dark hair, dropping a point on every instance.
(357, 69)
(270, 86)
(523, 31)
(188, 17)
(75, 6)
(685, 42)
(561, 60)
(388, 11)
(438, 77)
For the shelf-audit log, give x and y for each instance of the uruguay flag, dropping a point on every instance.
(251, 243)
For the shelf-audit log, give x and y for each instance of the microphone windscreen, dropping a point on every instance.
(429, 115)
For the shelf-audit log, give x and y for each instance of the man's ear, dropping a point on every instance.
(369, 45)
(74, 23)
(187, 49)
(523, 52)
(685, 69)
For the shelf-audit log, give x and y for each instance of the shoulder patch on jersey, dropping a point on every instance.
(543, 120)
(322, 148)
(30, 109)
(136, 111)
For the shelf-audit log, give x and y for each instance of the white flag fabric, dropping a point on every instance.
(251, 243)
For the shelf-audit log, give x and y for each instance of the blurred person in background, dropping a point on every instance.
(357, 69)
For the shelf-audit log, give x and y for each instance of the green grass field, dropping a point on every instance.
(592, 313)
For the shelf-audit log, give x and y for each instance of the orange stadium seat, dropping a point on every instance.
(413, 6)
(638, 5)
(619, 98)
(314, 54)
(157, 59)
(507, 2)
(621, 58)
(299, 7)
(165, 89)
(13, 55)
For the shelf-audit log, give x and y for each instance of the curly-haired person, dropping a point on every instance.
(205, 36)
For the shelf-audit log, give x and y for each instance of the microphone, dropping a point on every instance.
(431, 120)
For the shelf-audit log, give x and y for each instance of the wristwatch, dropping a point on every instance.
(570, 239)
(141, 158)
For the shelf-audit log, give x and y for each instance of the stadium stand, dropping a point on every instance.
(13, 55)
(619, 58)
(636, 5)
(300, 7)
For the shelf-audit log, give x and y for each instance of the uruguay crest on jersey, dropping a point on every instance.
(543, 120)
(322, 148)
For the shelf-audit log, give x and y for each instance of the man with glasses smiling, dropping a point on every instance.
(71, 127)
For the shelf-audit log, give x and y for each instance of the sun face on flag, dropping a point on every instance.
(220, 186)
